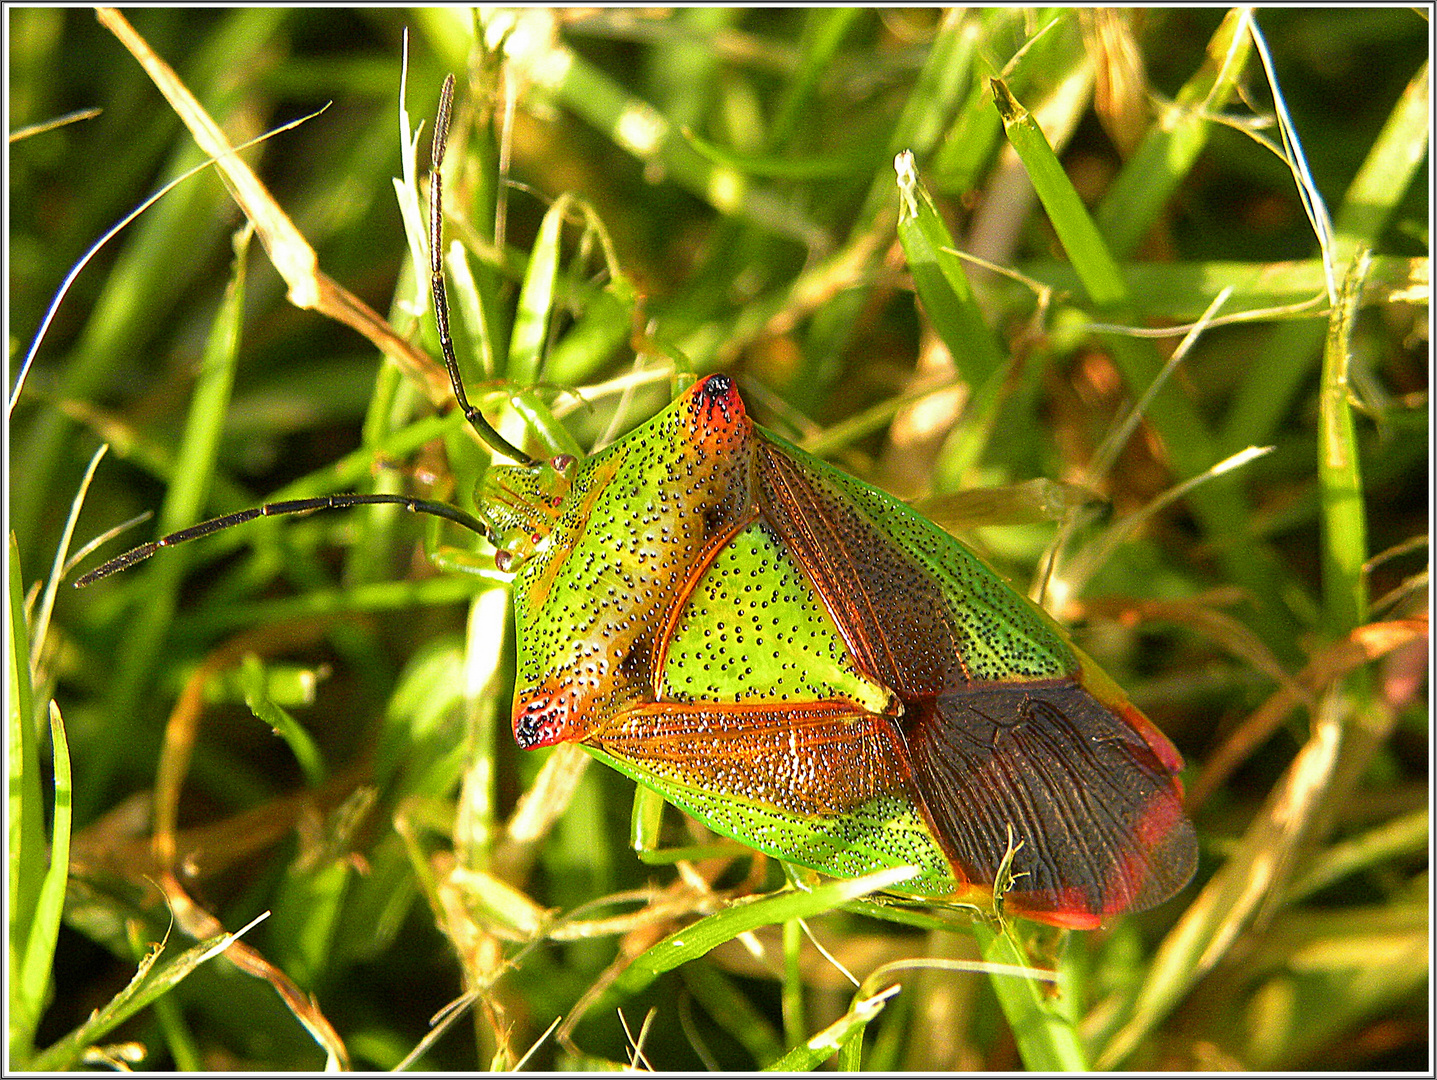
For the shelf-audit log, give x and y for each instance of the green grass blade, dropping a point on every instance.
(57, 567)
(1406, 836)
(1047, 1039)
(35, 976)
(940, 280)
(1344, 512)
(762, 165)
(268, 711)
(536, 301)
(694, 941)
(27, 867)
(1186, 435)
(843, 1037)
(150, 981)
(1076, 231)
(939, 90)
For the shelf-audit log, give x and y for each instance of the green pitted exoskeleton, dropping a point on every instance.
(812, 668)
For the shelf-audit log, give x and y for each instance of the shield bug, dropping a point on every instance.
(808, 665)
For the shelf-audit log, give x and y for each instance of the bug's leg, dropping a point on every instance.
(644, 835)
(460, 560)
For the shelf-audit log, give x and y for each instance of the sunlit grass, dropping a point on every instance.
(713, 188)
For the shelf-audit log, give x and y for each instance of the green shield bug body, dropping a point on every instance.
(809, 666)
(814, 669)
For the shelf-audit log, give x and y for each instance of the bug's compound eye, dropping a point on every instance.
(717, 388)
(718, 406)
(540, 722)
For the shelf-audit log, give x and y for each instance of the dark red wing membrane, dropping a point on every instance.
(998, 733)
(1099, 815)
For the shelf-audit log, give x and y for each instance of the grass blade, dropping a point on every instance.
(938, 276)
(694, 941)
(39, 956)
(150, 981)
(1344, 533)
(843, 1037)
(1047, 1039)
(27, 869)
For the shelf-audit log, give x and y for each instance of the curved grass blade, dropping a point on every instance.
(843, 1037)
(694, 941)
(1047, 1040)
(150, 980)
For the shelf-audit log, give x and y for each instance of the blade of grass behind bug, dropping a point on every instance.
(1265, 396)
(184, 504)
(1281, 292)
(928, 109)
(537, 301)
(1172, 145)
(940, 280)
(26, 836)
(966, 149)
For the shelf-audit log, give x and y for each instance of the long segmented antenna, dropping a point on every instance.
(337, 502)
(289, 506)
(436, 283)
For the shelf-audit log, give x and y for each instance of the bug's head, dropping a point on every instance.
(544, 719)
(522, 503)
(713, 415)
(715, 402)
